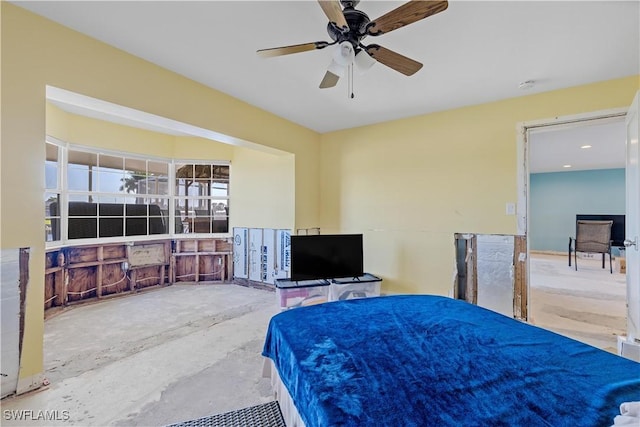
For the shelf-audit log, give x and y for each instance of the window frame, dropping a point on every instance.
(65, 195)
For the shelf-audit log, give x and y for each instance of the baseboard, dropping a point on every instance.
(31, 383)
(533, 252)
(581, 255)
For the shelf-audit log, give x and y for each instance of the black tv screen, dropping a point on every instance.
(326, 256)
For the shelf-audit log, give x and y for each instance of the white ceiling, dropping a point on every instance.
(603, 141)
(474, 52)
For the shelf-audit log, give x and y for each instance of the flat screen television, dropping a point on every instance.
(617, 228)
(326, 256)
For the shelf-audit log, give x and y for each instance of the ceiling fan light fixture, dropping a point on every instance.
(337, 68)
(344, 54)
(364, 61)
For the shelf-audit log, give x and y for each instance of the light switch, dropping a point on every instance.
(511, 208)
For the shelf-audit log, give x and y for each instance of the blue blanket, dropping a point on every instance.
(420, 360)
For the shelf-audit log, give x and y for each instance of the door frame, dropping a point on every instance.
(522, 158)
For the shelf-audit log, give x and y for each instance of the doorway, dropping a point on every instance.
(569, 166)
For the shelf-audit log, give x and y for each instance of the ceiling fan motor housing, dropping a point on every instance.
(349, 3)
(357, 21)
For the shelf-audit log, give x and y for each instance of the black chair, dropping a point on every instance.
(593, 237)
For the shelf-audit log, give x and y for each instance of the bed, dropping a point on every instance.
(421, 360)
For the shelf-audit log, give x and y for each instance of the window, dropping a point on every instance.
(52, 192)
(91, 194)
(202, 197)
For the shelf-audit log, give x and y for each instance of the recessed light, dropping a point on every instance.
(566, 166)
(585, 146)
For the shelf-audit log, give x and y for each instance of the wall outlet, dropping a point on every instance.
(511, 208)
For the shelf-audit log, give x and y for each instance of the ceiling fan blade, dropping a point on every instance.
(391, 59)
(329, 80)
(333, 11)
(406, 14)
(296, 48)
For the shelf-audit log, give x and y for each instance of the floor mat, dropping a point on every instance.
(265, 415)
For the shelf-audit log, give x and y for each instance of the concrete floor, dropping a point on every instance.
(187, 351)
(155, 358)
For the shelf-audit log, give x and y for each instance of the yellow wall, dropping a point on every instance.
(262, 184)
(37, 52)
(410, 184)
(194, 148)
(89, 132)
(261, 187)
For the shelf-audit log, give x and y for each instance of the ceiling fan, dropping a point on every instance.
(347, 27)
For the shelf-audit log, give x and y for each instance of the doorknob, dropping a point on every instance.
(628, 243)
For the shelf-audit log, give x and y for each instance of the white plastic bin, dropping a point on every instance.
(300, 293)
(357, 287)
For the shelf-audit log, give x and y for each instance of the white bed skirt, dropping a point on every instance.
(289, 411)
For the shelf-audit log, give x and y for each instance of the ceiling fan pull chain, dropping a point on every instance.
(351, 81)
(348, 80)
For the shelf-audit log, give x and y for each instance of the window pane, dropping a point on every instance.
(193, 189)
(52, 204)
(158, 168)
(111, 181)
(52, 152)
(51, 175)
(82, 228)
(113, 163)
(51, 166)
(86, 209)
(80, 170)
(111, 226)
(181, 185)
(220, 217)
(52, 217)
(133, 183)
(139, 166)
(111, 207)
(153, 185)
(52, 229)
(219, 189)
(185, 171)
(78, 177)
(158, 215)
(82, 222)
(137, 226)
(82, 158)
